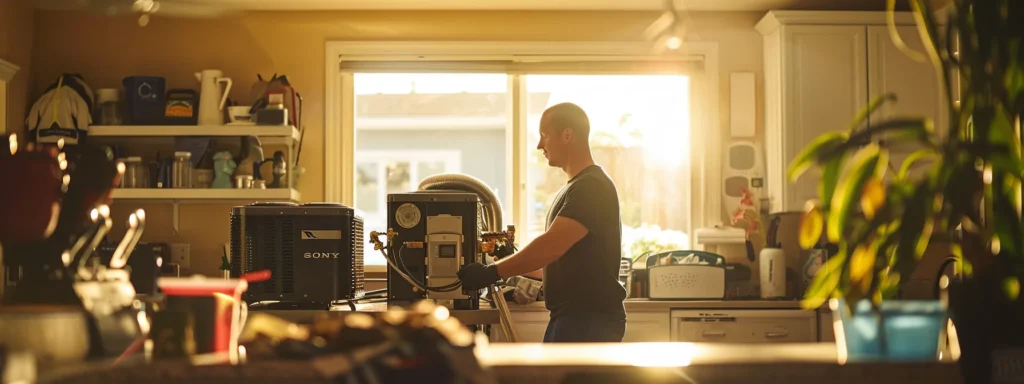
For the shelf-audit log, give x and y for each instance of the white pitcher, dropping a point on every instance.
(211, 98)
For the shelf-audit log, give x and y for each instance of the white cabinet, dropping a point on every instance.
(7, 71)
(821, 69)
(641, 326)
(530, 325)
(915, 84)
(653, 326)
(745, 326)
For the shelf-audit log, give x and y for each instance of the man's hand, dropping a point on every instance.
(478, 276)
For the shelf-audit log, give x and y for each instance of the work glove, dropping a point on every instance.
(477, 276)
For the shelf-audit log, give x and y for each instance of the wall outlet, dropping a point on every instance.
(180, 255)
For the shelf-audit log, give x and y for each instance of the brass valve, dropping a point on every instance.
(375, 238)
(498, 243)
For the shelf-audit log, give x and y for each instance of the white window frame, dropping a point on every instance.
(706, 127)
(7, 71)
(452, 160)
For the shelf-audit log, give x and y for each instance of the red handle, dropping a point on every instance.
(257, 276)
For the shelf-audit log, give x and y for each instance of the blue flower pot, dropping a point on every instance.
(913, 330)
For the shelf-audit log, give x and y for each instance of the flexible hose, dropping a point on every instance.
(461, 182)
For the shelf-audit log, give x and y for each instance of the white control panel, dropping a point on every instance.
(444, 254)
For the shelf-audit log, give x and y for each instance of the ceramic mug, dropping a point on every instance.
(239, 114)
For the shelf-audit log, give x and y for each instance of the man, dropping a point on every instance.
(580, 250)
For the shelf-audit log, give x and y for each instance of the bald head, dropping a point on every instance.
(568, 116)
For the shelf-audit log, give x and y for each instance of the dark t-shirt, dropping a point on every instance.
(586, 279)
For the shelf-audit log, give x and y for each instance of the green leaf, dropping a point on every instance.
(822, 145)
(869, 162)
(829, 179)
(917, 129)
(826, 280)
(915, 230)
(922, 154)
(862, 116)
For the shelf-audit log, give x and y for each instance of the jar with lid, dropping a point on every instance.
(181, 170)
(108, 107)
(135, 173)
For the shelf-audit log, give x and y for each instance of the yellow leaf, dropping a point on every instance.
(861, 265)
(872, 197)
(1012, 288)
(811, 226)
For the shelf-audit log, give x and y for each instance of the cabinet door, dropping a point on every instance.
(642, 327)
(915, 83)
(824, 87)
(530, 326)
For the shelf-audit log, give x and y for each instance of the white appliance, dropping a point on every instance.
(744, 169)
(773, 273)
(730, 242)
(718, 325)
(686, 281)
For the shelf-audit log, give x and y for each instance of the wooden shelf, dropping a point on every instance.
(193, 130)
(182, 194)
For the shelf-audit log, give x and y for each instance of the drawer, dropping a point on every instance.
(745, 326)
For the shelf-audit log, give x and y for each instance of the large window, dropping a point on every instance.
(397, 112)
(411, 126)
(639, 134)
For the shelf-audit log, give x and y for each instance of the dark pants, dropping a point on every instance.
(583, 328)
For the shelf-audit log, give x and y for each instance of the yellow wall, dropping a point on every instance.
(106, 49)
(16, 29)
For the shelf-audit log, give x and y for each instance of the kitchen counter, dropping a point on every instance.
(536, 363)
(698, 363)
(661, 305)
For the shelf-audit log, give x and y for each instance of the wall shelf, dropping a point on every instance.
(288, 132)
(184, 194)
(206, 195)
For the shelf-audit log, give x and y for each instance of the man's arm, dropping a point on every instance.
(545, 249)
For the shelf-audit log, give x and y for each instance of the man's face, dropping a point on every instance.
(553, 142)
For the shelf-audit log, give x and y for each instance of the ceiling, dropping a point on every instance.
(603, 5)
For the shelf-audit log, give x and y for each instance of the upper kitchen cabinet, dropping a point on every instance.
(7, 71)
(821, 69)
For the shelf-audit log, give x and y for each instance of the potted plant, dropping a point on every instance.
(965, 178)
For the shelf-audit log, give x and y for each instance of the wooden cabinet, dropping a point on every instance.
(821, 69)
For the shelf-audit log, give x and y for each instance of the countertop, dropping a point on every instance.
(487, 315)
(536, 363)
(662, 305)
(698, 363)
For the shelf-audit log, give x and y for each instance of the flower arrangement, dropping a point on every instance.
(748, 217)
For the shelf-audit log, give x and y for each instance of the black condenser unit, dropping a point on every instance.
(314, 252)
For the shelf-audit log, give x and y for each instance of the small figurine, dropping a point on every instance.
(223, 167)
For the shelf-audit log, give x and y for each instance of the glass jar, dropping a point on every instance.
(181, 170)
(135, 173)
(108, 107)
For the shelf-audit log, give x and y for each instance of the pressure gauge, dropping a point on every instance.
(407, 215)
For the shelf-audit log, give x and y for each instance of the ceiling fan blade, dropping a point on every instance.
(659, 26)
(171, 8)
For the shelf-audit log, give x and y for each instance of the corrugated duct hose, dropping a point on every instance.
(492, 222)
(459, 182)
